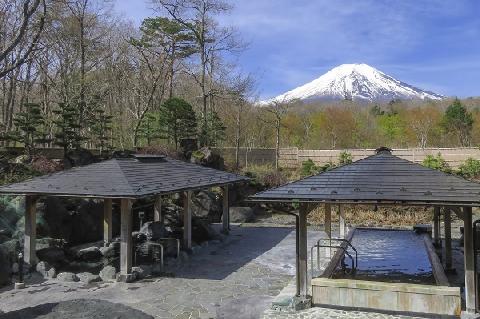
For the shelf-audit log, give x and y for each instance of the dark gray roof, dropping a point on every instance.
(125, 178)
(378, 178)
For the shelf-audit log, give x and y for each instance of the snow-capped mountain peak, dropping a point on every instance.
(357, 82)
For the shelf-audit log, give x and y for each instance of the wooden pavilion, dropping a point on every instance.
(383, 179)
(125, 180)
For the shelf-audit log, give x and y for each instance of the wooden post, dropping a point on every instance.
(328, 228)
(448, 238)
(157, 210)
(470, 276)
(187, 220)
(107, 221)
(302, 251)
(436, 226)
(126, 237)
(341, 219)
(29, 250)
(226, 210)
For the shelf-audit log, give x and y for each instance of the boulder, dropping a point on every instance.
(11, 247)
(42, 268)
(206, 157)
(78, 157)
(89, 254)
(142, 271)
(52, 273)
(77, 221)
(12, 210)
(88, 278)
(5, 267)
(67, 277)
(108, 273)
(52, 255)
(241, 214)
(108, 252)
(153, 230)
(207, 205)
(202, 231)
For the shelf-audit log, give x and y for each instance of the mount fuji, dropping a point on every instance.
(357, 82)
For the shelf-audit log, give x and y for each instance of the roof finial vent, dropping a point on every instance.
(383, 150)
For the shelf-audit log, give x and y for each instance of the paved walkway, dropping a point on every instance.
(236, 278)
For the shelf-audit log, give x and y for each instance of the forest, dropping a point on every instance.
(73, 74)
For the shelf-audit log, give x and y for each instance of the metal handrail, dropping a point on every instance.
(354, 263)
(349, 244)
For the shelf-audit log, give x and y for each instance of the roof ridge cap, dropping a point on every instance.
(124, 177)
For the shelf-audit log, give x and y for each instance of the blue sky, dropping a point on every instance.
(432, 44)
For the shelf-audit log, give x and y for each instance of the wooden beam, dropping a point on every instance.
(126, 248)
(341, 220)
(157, 210)
(29, 250)
(302, 251)
(187, 220)
(436, 226)
(328, 228)
(448, 238)
(107, 221)
(226, 210)
(470, 276)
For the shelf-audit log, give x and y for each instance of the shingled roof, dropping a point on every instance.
(134, 177)
(380, 178)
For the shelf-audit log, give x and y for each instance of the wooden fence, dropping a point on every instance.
(294, 157)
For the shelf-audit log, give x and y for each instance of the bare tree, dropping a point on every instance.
(21, 32)
(277, 111)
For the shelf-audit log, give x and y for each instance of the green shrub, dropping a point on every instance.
(345, 158)
(470, 169)
(436, 162)
(309, 168)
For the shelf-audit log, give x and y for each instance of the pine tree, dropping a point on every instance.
(101, 128)
(458, 120)
(214, 132)
(28, 128)
(149, 129)
(177, 120)
(68, 133)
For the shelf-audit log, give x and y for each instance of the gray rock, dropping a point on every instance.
(202, 231)
(52, 255)
(5, 267)
(52, 273)
(153, 230)
(67, 277)
(108, 252)
(89, 254)
(207, 205)
(88, 278)
(42, 268)
(108, 273)
(142, 271)
(241, 214)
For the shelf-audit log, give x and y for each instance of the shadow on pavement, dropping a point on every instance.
(244, 245)
(77, 309)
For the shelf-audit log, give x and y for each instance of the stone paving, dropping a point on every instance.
(235, 278)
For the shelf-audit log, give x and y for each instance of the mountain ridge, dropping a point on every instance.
(357, 82)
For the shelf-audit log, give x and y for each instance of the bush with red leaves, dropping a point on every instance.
(44, 165)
